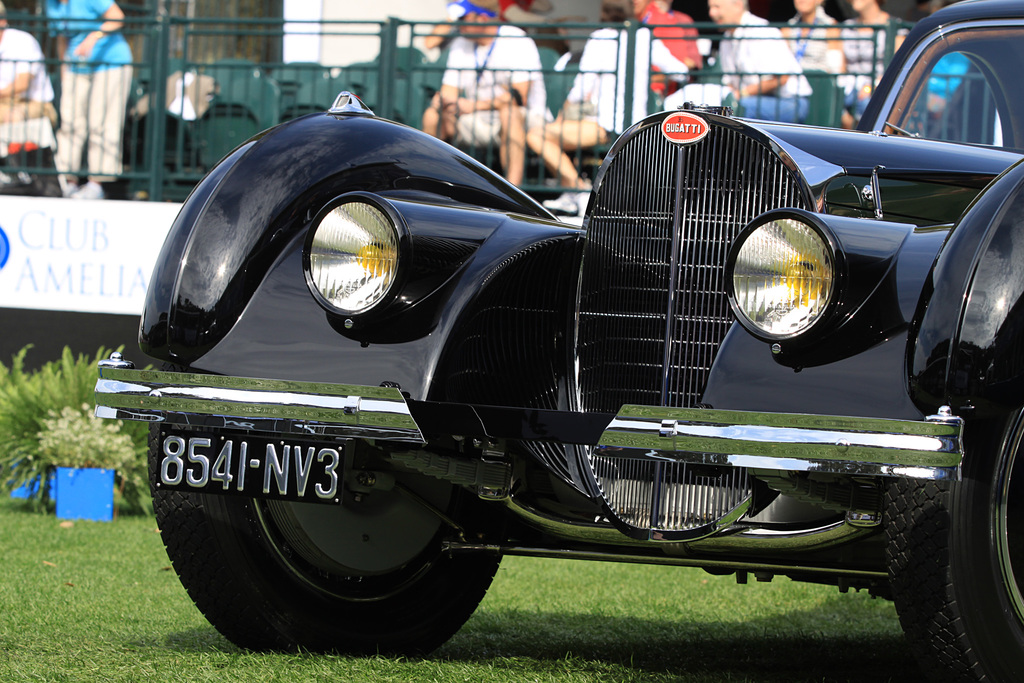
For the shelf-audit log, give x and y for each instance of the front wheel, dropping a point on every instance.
(956, 560)
(365, 578)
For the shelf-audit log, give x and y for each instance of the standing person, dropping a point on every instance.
(96, 79)
(865, 58)
(492, 89)
(816, 46)
(25, 89)
(759, 68)
(595, 108)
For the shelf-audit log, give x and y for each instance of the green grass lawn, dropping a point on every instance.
(93, 601)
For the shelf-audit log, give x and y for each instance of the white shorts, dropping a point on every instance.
(483, 128)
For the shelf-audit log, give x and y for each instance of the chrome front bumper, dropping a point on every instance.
(261, 405)
(925, 449)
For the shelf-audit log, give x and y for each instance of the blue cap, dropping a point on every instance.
(457, 10)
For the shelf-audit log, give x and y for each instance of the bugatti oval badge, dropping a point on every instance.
(684, 128)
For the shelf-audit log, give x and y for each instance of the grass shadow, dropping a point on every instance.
(830, 641)
(200, 640)
(756, 650)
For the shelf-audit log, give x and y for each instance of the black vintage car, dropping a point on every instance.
(770, 349)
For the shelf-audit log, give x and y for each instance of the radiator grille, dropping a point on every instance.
(653, 308)
(671, 496)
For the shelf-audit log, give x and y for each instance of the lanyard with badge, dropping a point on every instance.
(801, 45)
(482, 66)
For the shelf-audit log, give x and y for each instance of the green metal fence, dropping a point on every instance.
(237, 83)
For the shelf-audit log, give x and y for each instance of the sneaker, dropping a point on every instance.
(91, 190)
(69, 188)
(568, 203)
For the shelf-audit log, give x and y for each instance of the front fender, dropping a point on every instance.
(968, 348)
(242, 217)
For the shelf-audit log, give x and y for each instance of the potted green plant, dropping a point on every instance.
(48, 433)
(86, 454)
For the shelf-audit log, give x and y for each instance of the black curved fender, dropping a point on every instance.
(243, 216)
(479, 310)
(969, 348)
(492, 333)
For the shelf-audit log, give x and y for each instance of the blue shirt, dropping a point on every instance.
(943, 79)
(75, 19)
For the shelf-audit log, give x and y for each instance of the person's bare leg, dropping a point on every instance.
(556, 139)
(513, 142)
(432, 117)
(439, 119)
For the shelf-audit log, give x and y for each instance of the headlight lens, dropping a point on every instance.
(783, 277)
(353, 256)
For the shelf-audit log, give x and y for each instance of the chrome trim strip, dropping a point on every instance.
(928, 449)
(262, 405)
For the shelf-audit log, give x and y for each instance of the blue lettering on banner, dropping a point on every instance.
(84, 279)
(38, 231)
(5, 248)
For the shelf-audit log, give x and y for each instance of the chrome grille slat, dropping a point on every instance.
(667, 214)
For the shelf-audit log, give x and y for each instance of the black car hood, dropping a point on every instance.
(858, 153)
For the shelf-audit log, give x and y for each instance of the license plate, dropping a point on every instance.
(279, 468)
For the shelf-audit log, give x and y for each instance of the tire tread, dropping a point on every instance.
(918, 529)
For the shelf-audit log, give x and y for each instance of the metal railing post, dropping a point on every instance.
(893, 26)
(631, 47)
(386, 67)
(156, 128)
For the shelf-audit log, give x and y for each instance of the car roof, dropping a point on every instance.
(972, 9)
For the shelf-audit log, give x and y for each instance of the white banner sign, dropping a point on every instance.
(79, 255)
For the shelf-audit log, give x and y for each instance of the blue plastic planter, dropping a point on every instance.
(85, 494)
(32, 488)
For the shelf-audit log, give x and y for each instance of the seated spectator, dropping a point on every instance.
(816, 47)
(492, 88)
(25, 89)
(947, 95)
(759, 68)
(946, 77)
(512, 11)
(595, 108)
(864, 57)
(681, 41)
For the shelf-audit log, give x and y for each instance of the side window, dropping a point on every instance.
(961, 84)
(956, 104)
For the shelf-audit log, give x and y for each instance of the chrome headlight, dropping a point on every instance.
(352, 253)
(782, 275)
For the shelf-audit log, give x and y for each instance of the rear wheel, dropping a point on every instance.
(366, 577)
(956, 560)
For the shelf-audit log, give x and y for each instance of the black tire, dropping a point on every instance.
(283, 576)
(956, 560)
